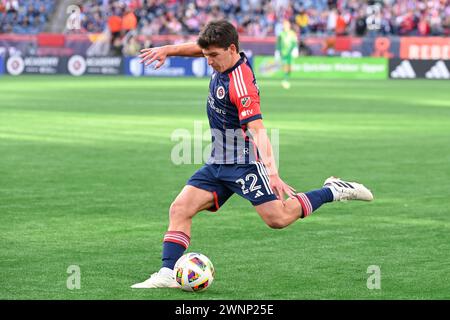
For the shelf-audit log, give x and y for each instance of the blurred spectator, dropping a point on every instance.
(446, 23)
(302, 21)
(115, 25)
(436, 22)
(117, 47)
(331, 21)
(173, 25)
(341, 25)
(407, 24)
(423, 27)
(360, 24)
(129, 21)
(373, 20)
(131, 47)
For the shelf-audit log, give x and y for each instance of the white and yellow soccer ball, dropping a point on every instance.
(194, 272)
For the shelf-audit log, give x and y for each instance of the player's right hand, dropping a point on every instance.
(150, 55)
(280, 188)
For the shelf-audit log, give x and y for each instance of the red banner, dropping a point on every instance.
(434, 48)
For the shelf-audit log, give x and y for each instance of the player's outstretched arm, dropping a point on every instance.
(262, 141)
(160, 54)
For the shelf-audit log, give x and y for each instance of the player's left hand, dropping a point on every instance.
(277, 55)
(280, 188)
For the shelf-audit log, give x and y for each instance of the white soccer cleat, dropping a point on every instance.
(160, 279)
(344, 190)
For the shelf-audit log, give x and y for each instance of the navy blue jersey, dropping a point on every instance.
(233, 102)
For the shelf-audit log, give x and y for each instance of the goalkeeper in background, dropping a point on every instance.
(286, 49)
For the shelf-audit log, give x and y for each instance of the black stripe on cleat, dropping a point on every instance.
(348, 184)
(339, 184)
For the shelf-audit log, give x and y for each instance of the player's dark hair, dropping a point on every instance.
(219, 34)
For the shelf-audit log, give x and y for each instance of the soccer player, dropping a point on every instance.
(286, 49)
(241, 158)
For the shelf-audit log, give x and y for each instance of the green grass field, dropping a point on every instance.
(86, 179)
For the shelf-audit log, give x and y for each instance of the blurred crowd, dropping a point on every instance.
(263, 17)
(258, 18)
(25, 16)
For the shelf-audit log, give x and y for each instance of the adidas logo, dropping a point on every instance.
(403, 70)
(258, 194)
(438, 71)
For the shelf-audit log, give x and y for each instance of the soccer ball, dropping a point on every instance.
(194, 272)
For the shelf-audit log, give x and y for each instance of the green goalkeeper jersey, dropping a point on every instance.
(286, 43)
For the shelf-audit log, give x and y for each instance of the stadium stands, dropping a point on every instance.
(25, 17)
(253, 17)
(260, 17)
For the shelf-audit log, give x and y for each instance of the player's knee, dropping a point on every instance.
(275, 222)
(178, 210)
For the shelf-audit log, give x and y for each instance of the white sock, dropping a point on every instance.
(333, 190)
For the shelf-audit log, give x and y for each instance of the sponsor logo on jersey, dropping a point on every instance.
(246, 102)
(246, 113)
(220, 93)
(212, 105)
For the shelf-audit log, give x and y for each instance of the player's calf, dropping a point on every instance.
(278, 215)
(188, 203)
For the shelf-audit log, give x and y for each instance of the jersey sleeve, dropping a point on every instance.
(244, 94)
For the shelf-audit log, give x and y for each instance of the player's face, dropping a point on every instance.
(220, 59)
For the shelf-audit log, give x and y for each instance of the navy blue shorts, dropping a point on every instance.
(250, 181)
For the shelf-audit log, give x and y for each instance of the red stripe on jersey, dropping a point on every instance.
(239, 82)
(243, 92)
